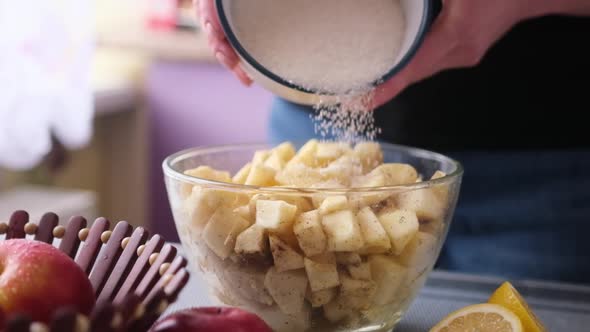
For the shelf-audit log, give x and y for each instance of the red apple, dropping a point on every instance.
(36, 279)
(211, 319)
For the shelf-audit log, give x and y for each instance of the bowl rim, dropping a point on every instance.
(395, 69)
(169, 171)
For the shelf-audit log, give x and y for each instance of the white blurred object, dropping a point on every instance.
(46, 51)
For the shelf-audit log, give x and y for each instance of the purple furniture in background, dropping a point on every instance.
(196, 104)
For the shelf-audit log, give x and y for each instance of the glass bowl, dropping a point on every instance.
(325, 264)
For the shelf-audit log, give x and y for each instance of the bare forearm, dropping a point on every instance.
(563, 7)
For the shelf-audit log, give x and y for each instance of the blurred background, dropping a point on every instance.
(154, 89)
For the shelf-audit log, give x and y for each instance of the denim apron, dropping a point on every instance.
(521, 214)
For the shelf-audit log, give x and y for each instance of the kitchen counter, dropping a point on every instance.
(560, 306)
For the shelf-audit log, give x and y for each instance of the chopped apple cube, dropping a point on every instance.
(341, 170)
(241, 176)
(285, 150)
(424, 202)
(434, 227)
(401, 226)
(326, 257)
(302, 203)
(330, 151)
(371, 180)
(253, 240)
(203, 172)
(358, 294)
(376, 239)
(442, 191)
(438, 175)
(197, 208)
(260, 157)
(280, 321)
(221, 232)
(388, 276)
(309, 232)
(396, 174)
(327, 184)
(420, 253)
(298, 175)
(276, 216)
(360, 271)
(387, 206)
(306, 154)
(208, 173)
(343, 231)
(275, 162)
(287, 289)
(321, 275)
(333, 204)
(260, 175)
(203, 202)
(370, 155)
(337, 310)
(244, 212)
(285, 258)
(225, 198)
(347, 258)
(319, 298)
(252, 203)
(288, 236)
(248, 282)
(317, 200)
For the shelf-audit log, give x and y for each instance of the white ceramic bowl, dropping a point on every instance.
(416, 14)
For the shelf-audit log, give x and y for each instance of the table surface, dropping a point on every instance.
(561, 307)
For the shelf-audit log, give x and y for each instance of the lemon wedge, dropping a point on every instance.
(483, 317)
(508, 297)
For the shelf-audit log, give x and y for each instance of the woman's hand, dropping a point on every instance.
(461, 36)
(217, 41)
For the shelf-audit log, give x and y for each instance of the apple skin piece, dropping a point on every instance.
(211, 319)
(36, 279)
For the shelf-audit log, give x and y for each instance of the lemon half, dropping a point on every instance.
(508, 297)
(484, 317)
